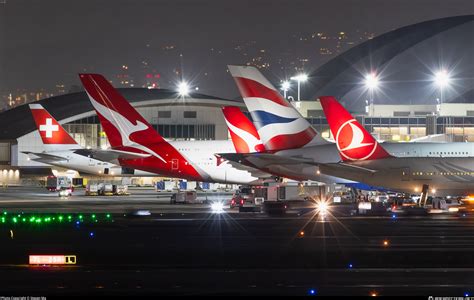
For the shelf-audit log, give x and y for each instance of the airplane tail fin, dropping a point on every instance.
(129, 133)
(123, 125)
(243, 133)
(352, 139)
(279, 124)
(51, 132)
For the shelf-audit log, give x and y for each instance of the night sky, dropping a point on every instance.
(43, 43)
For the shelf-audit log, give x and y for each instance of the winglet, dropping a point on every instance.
(352, 139)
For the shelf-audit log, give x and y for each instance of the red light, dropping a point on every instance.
(149, 75)
(157, 75)
(242, 202)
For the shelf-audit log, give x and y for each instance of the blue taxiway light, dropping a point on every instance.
(91, 234)
(312, 292)
(350, 266)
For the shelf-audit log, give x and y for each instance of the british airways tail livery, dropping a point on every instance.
(243, 133)
(279, 124)
(353, 141)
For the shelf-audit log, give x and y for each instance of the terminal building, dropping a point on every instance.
(399, 110)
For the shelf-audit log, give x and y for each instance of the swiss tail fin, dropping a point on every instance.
(243, 133)
(353, 141)
(279, 124)
(51, 132)
(123, 125)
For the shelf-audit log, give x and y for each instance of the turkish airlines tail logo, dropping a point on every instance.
(353, 141)
(243, 133)
(50, 130)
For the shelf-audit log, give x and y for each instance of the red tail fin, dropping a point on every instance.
(127, 130)
(243, 133)
(120, 120)
(51, 132)
(352, 139)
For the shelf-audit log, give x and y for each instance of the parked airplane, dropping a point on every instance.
(63, 151)
(444, 167)
(273, 115)
(129, 133)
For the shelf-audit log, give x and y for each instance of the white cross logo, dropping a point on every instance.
(49, 128)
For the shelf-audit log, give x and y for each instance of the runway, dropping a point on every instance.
(195, 252)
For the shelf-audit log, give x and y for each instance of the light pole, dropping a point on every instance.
(442, 81)
(285, 86)
(371, 82)
(300, 78)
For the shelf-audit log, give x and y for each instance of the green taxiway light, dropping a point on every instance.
(15, 220)
(60, 218)
(38, 220)
(80, 217)
(3, 220)
(5, 213)
(93, 216)
(108, 215)
(24, 219)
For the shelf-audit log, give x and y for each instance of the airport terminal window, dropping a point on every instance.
(394, 121)
(401, 113)
(315, 113)
(164, 114)
(184, 131)
(190, 114)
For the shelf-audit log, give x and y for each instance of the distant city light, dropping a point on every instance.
(442, 78)
(371, 81)
(183, 89)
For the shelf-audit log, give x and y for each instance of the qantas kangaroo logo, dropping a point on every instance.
(253, 143)
(123, 125)
(350, 142)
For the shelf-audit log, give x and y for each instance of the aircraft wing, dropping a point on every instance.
(45, 157)
(110, 155)
(264, 160)
(268, 161)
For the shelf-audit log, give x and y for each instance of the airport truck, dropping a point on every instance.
(57, 183)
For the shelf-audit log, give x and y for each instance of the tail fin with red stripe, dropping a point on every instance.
(279, 124)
